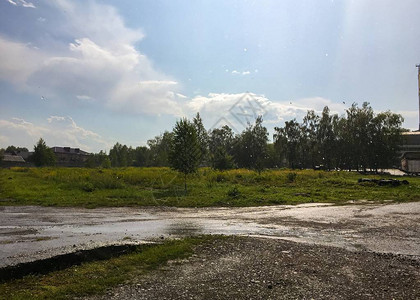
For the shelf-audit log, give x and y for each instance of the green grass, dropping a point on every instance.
(164, 187)
(96, 277)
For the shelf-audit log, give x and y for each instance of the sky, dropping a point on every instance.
(88, 74)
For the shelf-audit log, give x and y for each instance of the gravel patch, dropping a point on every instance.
(259, 268)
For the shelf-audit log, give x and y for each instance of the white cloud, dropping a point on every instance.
(57, 131)
(84, 97)
(101, 63)
(21, 3)
(240, 109)
(18, 61)
(234, 72)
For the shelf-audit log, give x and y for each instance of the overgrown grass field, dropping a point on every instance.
(165, 187)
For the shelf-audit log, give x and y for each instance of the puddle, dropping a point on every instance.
(379, 227)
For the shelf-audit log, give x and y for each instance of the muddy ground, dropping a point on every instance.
(359, 251)
(32, 233)
(261, 268)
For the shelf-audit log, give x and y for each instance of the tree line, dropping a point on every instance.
(358, 140)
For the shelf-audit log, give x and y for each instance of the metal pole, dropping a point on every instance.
(418, 80)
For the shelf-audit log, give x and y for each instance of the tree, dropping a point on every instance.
(220, 144)
(288, 141)
(326, 139)
(142, 156)
(309, 138)
(160, 147)
(120, 155)
(1, 154)
(98, 160)
(202, 136)
(185, 153)
(43, 155)
(250, 147)
(13, 149)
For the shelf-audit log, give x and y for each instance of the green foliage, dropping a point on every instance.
(43, 156)
(250, 147)
(360, 140)
(14, 149)
(234, 192)
(160, 148)
(221, 148)
(202, 137)
(291, 177)
(185, 154)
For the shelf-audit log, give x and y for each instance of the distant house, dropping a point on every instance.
(12, 160)
(70, 157)
(410, 152)
(411, 142)
(410, 162)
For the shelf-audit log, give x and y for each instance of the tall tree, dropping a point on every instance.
(185, 153)
(202, 136)
(309, 139)
(160, 146)
(250, 147)
(220, 148)
(142, 156)
(43, 155)
(288, 141)
(326, 139)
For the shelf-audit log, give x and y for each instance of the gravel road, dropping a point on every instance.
(260, 268)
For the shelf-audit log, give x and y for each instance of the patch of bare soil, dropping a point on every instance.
(258, 268)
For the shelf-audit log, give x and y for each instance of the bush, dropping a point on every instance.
(234, 192)
(88, 187)
(291, 177)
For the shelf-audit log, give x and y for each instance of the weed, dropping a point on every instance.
(291, 177)
(234, 192)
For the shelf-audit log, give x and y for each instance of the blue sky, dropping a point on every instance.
(90, 73)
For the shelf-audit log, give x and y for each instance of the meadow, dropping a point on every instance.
(90, 188)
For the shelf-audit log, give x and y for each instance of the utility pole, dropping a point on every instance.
(418, 80)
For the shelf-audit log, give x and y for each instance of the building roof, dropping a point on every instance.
(13, 158)
(411, 138)
(69, 150)
(412, 155)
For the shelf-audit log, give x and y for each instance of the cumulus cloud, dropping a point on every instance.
(57, 131)
(237, 110)
(100, 62)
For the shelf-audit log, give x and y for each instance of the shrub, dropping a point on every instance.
(88, 187)
(234, 192)
(291, 177)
